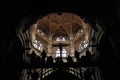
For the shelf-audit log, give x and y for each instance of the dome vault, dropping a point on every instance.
(66, 28)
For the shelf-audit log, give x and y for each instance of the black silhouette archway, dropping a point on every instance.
(61, 75)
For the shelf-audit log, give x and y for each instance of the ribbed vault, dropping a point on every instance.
(65, 24)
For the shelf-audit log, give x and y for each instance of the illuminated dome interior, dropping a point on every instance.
(67, 28)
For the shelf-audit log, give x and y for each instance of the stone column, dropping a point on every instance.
(71, 47)
(50, 46)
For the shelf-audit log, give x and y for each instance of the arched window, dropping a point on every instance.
(37, 45)
(64, 53)
(58, 53)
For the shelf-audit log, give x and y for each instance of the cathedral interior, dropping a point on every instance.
(62, 31)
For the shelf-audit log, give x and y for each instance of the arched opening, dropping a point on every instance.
(72, 31)
(60, 36)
